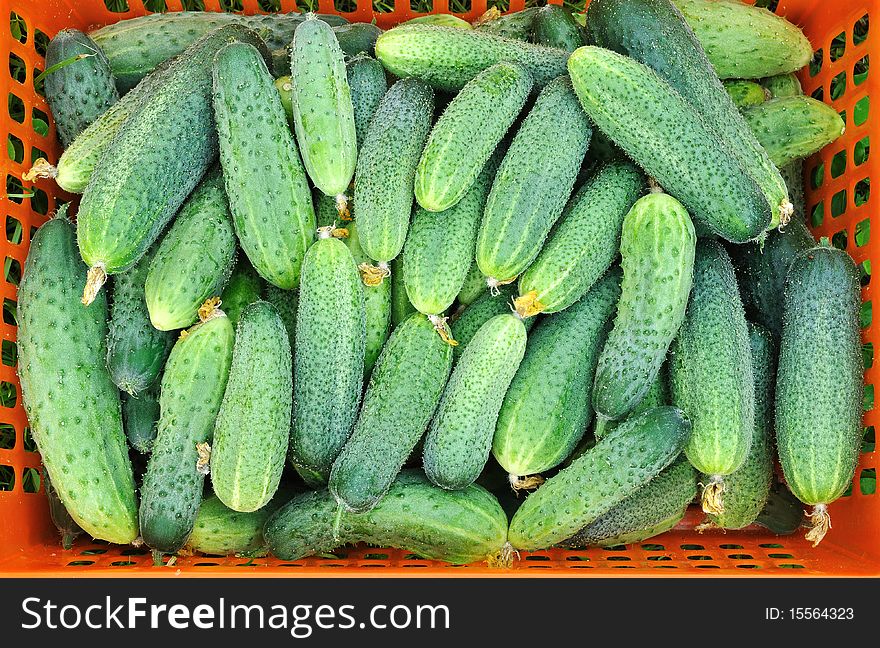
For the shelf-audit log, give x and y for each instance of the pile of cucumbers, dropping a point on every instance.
(330, 285)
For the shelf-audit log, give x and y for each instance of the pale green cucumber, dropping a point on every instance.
(220, 531)
(745, 94)
(284, 86)
(783, 85)
(367, 83)
(473, 286)
(140, 415)
(440, 20)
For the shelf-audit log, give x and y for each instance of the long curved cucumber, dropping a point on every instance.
(367, 83)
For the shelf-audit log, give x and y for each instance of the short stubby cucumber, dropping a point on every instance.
(782, 85)
(518, 25)
(554, 26)
(328, 358)
(447, 58)
(201, 241)
(400, 399)
(466, 323)
(367, 83)
(194, 380)
(71, 403)
(819, 381)
(533, 183)
(547, 408)
(220, 531)
(460, 436)
(401, 308)
(140, 416)
(252, 430)
(586, 240)
(473, 286)
(666, 136)
(244, 287)
(323, 115)
(711, 375)
(657, 395)
(657, 255)
(745, 94)
(66, 525)
(600, 479)
(467, 133)
(270, 202)
(286, 302)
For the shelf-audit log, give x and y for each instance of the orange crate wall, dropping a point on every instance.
(28, 542)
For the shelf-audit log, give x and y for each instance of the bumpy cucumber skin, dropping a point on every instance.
(140, 415)
(657, 395)
(533, 183)
(440, 20)
(783, 85)
(377, 302)
(711, 366)
(602, 477)
(367, 83)
(194, 259)
(466, 134)
(79, 92)
(192, 389)
(286, 302)
(657, 255)
(554, 26)
(136, 351)
(270, 201)
(403, 392)
(71, 403)
(329, 358)
(66, 525)
(793, 128)
(666, 136)
(457, 527)
(793, 174)
(323, 115)
(465, 324)
(518, 25)
(252, 430)
(244, 287)
(447, 58)
(547, 408)
(819, 380)
(661, 501)
(473, 286)
(220, 531)
(401, 308)
(460, 436)
(745, 94)
(383, 188)
(586, 241)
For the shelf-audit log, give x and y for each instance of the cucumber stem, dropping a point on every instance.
(527, 482)
(67, 539)
(373, 275)
(820, 524)
(40, 169)
(495, 284)
(342, 207)
(503, 558)
(96, 277)
(528, 305)
(443, 329)
(157, 558)
(711, 500)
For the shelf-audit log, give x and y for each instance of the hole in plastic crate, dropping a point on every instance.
(780, 555)
(861, 110)
(748, 567)
(539, 558)
(868, 444)
(122, 563)
(14, 190)
(29, 443)
(816, 62)
(817, 215)
(213, 564)
(817, 175)
(39, 201)
(707, 567)
(375, 556)
(692, 547)
(865, 315)
(7, 478)
(839, 240)
(838, 47)
(41, 42)
(659, 558)
(7, 436)
(863, 232)
(838, 164)
(771, 545)
(865, 270)
(615, 548)
(838, 203)
(791, 566)
(270, 6)
(730, 546)
(12, 272)
(740, 556)
(30, 480)
(80, 563)
(37, 154)
(860, 70)
(699, 557)
(868, 355)
(18, 27)
(653, 547)
(860, 30)
(862, 192)
(665, 566)
(92, 552)
(231, 5)
(116, 6)
(619, 558)
(868, 481)
(868, 403)
(838, 86)
(16, 108)
(8, 395)
(17, 68)
(861, 150)
(40, 122)
(15, 148)
(577, 558)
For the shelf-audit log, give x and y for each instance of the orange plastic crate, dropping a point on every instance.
(29, 544)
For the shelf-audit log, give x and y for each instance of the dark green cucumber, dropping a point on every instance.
(367, 83)
(602, 477)
(140, 416)
(244, 287)
(793, 174)
(783, 513)
(357, 38)
(66, 525)
(745, 94)
(220, 531)
(657, 395)
(271, 203)
(473, 286)
(783, 85)
(401, 308)
(400, 399)
(518, 25)
(554, 26)
(286, 302)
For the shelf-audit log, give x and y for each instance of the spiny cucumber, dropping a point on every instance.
(220, 531)
(745, 94)
(554, 26)
(367, 83)
(657, 395)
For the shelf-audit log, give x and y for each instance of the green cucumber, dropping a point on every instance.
(657, 395)
(547, 408)
(440, 20)
(533, 182)
(586, 241)
(286, 302)
(657, 255)
(383, 188)
(473, 286)
(400, 399)
(270, 203)
(377, 302)
(457, 527)
(329, 357)
(284, 86)
(66, 525)
(554, 26)
(783, 85)
(140, 415)
(745, 94)
(820, 381)
(201, 240)
(745, 42)
(401, 307)
(460, 436)
(244, 287)
(783, 514)
(220, 531)
(367, 83)
(467, 322)
(665, 135)
(356, 39)
(136, 351)
(466, 134)
(711, 373)
(253, 425)
(793, 174)
(518, 25)
(600, 479)
(82, 88)
(447, 58)
(194, 379)
(323, 115)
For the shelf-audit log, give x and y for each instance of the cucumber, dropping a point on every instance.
(270, 203)
(155, 160)
(473, 286)
(667, 137)
(586, 241)
(466, 134)
(820, 381)
(253, 425)
(745, 94)
(323, 115)
(400, 399)
(657, 395)
(518, 25)
(783, 85)
(657, 255)
(194, 380)
(284, 86)
(66, 525)
(286, 302)
(554, 26)
(745, 42)
(383, 189)
(440, 20)
(220, 531)
(654, 508)
(140, 416)
(600, 479)
(244, 287)
(460, 436)
(466, 323)
(547, 408)
(356, 39)
(71, 403)
(447, 58)
(367, 83)
(793, 174)
(457, 527)
(201, 240)
(401, 308)
(136, 351)
(783, 514)
(533, 183)
(329, 357)
(711, 373)
(377, 302)
(82, 88)
(793, 128)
